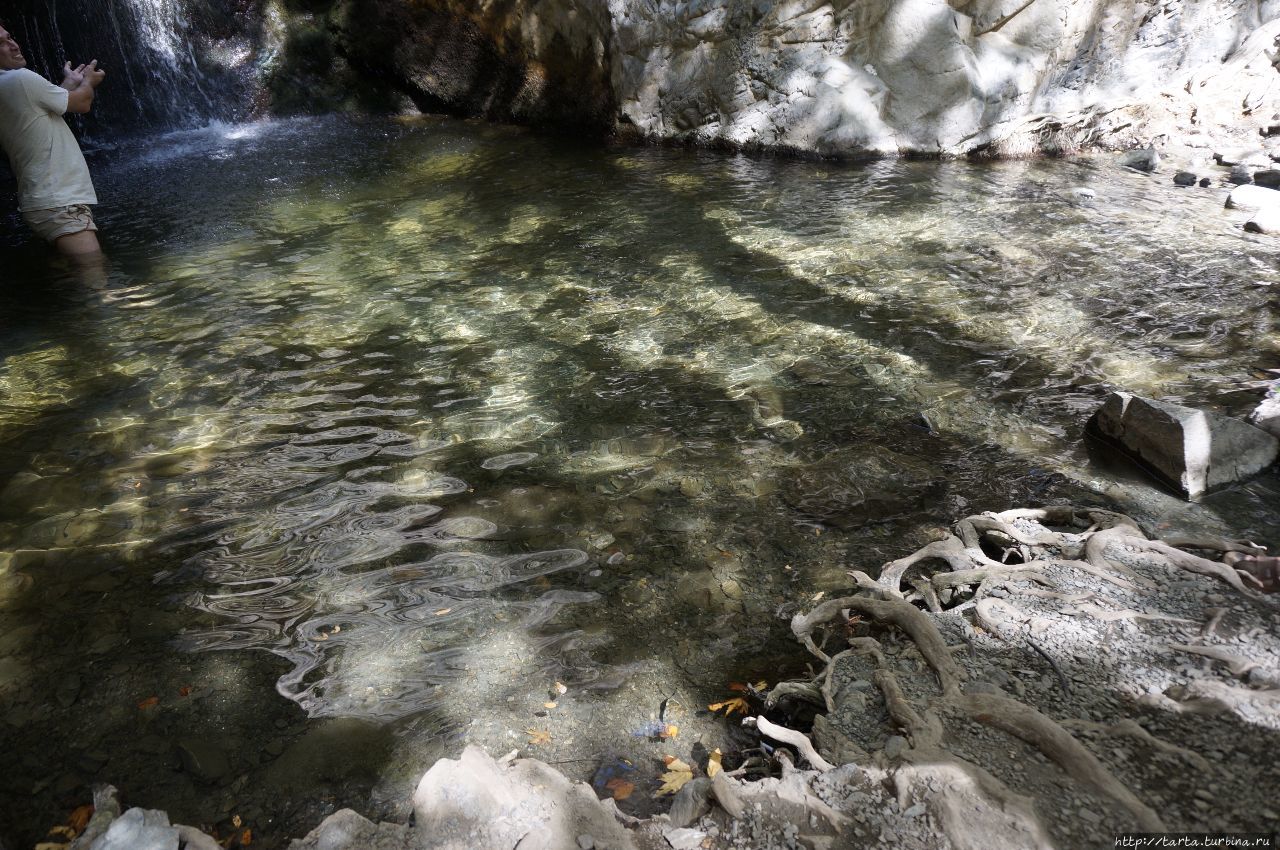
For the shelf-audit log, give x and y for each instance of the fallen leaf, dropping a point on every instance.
(818, 595)
(441, 612)
(538, 737)
(63, 832)
(730, 706)
(236, 822)
(740, 687)
(677, 774)
(548, 705)
(713, 763)
(79, 817)
(149, 702)
(561, 689)
(184, 691)
(246, 838)
(669, 731)
(620, 789)
(321, 636)
(49, 845)
(337, 629)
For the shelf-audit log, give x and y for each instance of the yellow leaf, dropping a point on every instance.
(443, 611)
(235, 821)
(678, 773)
(538, 737)
(669, 731)
(549, 705)
(62, 832)
(713, 763)
(49, 845)
(730, 706)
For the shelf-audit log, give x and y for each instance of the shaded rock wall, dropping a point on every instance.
(835, 77)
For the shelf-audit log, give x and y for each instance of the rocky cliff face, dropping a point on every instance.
(837, 77)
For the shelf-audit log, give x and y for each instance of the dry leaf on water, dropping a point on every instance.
(538, 737)
(713, 763)
(442, 611)
(620, 789)
(677, 774)
(149, 702)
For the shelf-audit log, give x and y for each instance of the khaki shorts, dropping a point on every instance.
(62, 221)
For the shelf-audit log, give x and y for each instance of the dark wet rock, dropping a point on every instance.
(1192, 451)
(691, 802)
(854, 486)
(1264, 221)
(203, 760)
(1252, 198)
(334, 750)
(1143, 159)
(1268, 179)
(1185, 178)
(1205, 182)
(1240, 175)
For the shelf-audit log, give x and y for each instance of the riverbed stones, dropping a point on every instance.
(336, 750)
(1256, 157)
(475, 801)
(1192, 451)
(1185, 178)
(861, 484)
(1240, 175)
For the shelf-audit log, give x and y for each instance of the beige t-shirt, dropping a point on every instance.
(46, 159)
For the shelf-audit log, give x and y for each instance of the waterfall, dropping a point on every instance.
(169, 63)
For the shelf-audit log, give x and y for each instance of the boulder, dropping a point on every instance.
(1268, 178)
(347, 830)
(1251, 198)
(1143, 159)
(1205, 182)
(476, 801)
(1192, 451)
(1267, 415)
(1244, 156)
(1185, 178)
(1264, 221)
(139, 829)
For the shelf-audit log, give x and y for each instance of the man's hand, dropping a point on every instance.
(93, 74)
(81, 98)
(72, 77)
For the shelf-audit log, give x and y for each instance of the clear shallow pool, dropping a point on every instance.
(398, 424)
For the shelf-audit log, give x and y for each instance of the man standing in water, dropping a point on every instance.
(54, 188)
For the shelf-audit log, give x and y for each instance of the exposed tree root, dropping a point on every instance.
(1029, 542)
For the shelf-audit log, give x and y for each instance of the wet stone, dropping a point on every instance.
(203, 760)
(1184, 178)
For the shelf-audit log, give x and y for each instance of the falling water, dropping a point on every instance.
(169, 63)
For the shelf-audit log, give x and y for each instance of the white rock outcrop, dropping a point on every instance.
(890, 76)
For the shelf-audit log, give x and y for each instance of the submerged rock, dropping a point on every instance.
(855, 486)
(1146, 159)
(1192, 451)
(1185, 178)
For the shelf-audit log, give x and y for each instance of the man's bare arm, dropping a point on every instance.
(80, 99)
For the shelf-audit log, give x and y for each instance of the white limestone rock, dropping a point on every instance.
(1253, 198)
(1264, 221)
(1193, 451)
(1267, 414)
